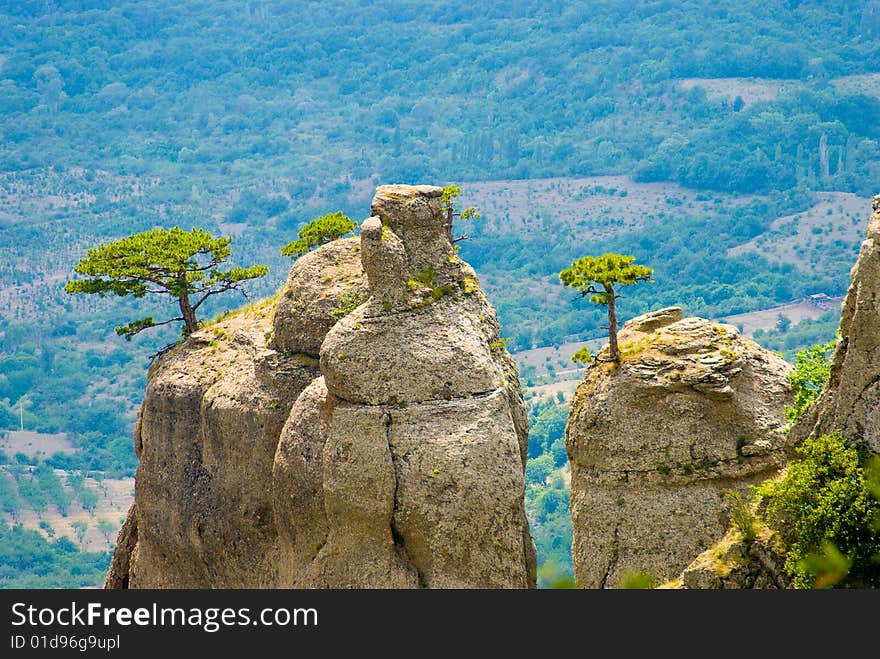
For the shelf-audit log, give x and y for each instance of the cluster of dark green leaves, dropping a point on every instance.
(606, 271)
(161, 261)
(164, 258)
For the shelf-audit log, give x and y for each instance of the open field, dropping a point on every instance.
(865, 83)
(767, 318)
(34, 444)
(750, 90)
(803, 239)
(114, 499)
(594, 206)
(543, 391)
(557, 358)
(753, 90)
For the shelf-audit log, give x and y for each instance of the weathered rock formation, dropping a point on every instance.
(692, 410)
(850, 402)
(734, 563)
(412, 445)
(206, 438)
(395, 461)
(321, 287)
(208, 429)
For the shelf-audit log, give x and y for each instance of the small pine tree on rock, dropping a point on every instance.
(596, 277)
(183, 264)
(450, 194)
(319, 231)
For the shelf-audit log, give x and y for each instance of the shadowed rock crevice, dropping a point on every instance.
(396, 535)
(615, 554)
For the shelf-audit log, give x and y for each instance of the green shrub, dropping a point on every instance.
(637, 580)
(582, 356)
(811, 371)
(552, 575)
(741, 515)
(825, 505)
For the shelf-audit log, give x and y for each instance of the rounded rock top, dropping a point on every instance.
(401, 191)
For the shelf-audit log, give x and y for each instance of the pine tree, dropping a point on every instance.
(597, 276)
(450, 194)
(182, 264)
(318, 232)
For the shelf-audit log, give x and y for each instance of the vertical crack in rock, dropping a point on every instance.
(396, 535)
(615, 555)
(861, 396)
(424, 348)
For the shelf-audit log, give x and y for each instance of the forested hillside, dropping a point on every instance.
(732, 146)
(324, 92)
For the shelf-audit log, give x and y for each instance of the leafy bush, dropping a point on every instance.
(827, 504)
(350, 300)
(811, 373)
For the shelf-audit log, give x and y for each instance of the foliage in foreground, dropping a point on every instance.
(637, 581)
(826, 512)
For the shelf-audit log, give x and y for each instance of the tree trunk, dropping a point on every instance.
(448, 224)
(612, 325)
(189, 315)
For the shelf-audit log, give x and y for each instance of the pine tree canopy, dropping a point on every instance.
(319, 231)
(590, 272)
(597, 276)
(163, 261)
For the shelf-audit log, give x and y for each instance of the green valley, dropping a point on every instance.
(731, 146)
